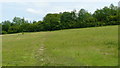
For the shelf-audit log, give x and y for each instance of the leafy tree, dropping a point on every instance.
(68, 19)
(85, 18)
(52, 21)
(6, 25)
(14, 29)
(18, 20)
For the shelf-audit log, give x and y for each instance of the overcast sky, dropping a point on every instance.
(37, 9)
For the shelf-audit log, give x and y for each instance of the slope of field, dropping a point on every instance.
(96, 46)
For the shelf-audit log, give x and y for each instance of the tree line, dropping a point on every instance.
(64, 20)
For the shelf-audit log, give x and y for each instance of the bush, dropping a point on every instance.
(4, 32)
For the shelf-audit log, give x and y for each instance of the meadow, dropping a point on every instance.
(95, 46)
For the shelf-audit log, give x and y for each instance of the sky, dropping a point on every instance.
(37, 9)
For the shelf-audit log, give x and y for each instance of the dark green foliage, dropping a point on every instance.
(14, 29)
(66, 20)
(52, 22)
(6, 25)
(4, 32)
(108, 15)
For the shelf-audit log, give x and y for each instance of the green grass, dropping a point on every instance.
(96, 46)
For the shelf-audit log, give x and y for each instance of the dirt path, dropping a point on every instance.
(39, 56)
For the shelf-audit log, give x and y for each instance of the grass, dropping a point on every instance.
(96, 46)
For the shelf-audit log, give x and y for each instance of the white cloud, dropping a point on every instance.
(31, 10)
(34, 4)
(59, 1)
(40, 4)
(27, 19)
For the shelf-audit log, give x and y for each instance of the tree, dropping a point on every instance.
(18, 20)
(107, 15)
(68, 19)
(6, 25)
(14, 29)
(24, 27)
(52, 21)
(85, 18)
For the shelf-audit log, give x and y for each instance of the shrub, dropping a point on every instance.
(4, 32)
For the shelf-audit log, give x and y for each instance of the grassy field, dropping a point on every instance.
(96, 46)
